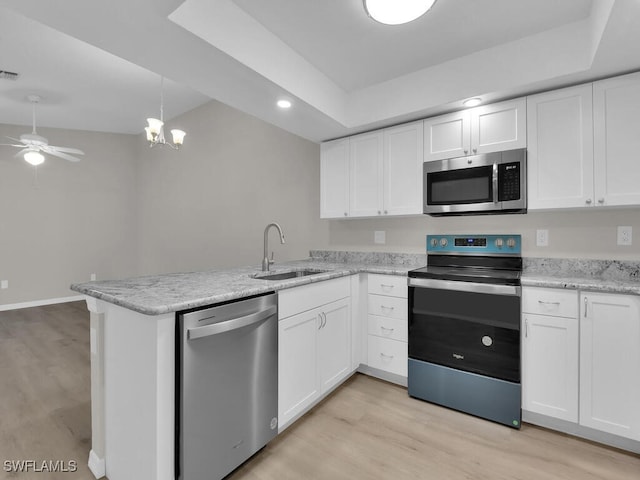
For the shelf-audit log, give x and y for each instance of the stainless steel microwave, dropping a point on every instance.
(491, 183)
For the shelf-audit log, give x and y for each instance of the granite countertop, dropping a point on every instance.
(160, 294)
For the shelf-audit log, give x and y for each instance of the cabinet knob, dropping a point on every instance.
(379, 212)
(475, 150)
(601, 200)
(588, 201)
(345, 214)
(466, 151)
(386, 212)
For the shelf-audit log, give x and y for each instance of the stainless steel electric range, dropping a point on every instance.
(464, 326)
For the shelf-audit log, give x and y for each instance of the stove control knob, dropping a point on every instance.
(511, 242)
(499, 242)
(434, 242)
(443, 242)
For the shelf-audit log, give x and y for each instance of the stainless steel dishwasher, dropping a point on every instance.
(227, 379)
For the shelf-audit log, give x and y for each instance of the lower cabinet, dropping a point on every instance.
(387, 327)
(581, 358)
(550, 352)
(314, 351)
(610, 363)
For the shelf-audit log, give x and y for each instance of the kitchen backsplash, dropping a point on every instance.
(375, 258)
(619, 270)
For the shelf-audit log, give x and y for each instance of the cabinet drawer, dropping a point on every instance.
(300, 299)
(550, 301)
(388, 355)
(391, 285)
(388, 307)
(386, 327)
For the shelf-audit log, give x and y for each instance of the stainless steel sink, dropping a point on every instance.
(286, 275)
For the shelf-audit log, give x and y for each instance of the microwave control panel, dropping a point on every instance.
(509, 181)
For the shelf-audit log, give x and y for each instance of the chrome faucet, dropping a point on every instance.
(265, 260)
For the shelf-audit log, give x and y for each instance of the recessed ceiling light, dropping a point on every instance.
(284, 104)
(472, 102)
(396, 12)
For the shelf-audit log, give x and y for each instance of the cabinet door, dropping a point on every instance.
(447, 136)
(550, 366)
(499, 126)
(298, 385)
(616, 116)
(610, 363)
(402, 169)
(334, 343)
(560, 149)
(334, 179)
(365, 175)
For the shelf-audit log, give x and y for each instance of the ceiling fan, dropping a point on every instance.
(33, 145)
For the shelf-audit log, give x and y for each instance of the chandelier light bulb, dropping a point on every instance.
(396, 12)
(34, 158)
(178, 137)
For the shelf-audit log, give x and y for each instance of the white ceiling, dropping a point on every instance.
(97, 64)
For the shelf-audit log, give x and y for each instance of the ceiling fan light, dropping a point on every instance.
(396, 12)
(34, 158)
(178, 137)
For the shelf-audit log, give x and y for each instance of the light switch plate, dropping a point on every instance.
(625, 235)
(542, 238)
(379, 236)
(4, 284)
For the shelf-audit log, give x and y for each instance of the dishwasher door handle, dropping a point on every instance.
(222, 327)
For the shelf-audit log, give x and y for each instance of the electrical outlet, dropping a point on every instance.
(93, 277)
(625, 235)
(542, 238)
(379, 236)
(4, 284)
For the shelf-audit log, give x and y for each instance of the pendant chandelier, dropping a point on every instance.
(155, 128)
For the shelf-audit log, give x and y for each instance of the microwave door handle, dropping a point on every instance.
(495, 183)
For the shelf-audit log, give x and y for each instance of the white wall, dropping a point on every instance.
(573, 234)
(207, 205)
(72, 220)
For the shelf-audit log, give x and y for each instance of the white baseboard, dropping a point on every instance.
(40, 303)
(96, 465)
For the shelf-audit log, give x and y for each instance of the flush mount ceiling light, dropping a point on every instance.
(284, 104)
(396, 12)
(155, 128)
(472, 102)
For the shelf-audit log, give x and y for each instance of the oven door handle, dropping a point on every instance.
(458, 286)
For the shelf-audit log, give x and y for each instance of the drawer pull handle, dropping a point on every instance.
(384, 285)
(385, 329)
(548, 303)
(386, 357)
(384, 307)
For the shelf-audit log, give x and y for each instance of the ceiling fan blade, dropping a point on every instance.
(15, 139)
(10, 145)
(49, 148)
(55, 153)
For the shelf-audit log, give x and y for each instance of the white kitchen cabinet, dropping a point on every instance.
(365, 174)
(402, 169)
(610, 363)
(314, 344)
(387, 326)
(489, 128)
(616, 122)
(560, 149)
(550, 352)
(373, 174)
(334, 179)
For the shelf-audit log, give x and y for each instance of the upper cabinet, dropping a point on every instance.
(489, 128)
(583, 145)
(560, 148)
(373, 174)
(616, 141)
(334, 179)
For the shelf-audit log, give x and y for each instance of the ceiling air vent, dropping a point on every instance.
(4, 75)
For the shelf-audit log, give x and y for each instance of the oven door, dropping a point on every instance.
(466, 326)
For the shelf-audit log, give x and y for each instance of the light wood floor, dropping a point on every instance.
(367, 429)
